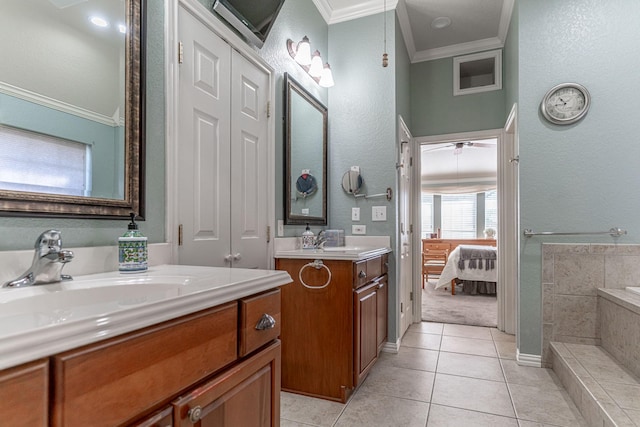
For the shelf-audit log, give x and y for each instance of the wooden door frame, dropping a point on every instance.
(171, 114)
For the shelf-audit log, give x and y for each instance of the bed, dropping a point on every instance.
(478, 270)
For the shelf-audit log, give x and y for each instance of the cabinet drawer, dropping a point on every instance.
(112, 382)
(252, 310)
(360, 277)
(367, 270)
(385, 263)
(437, 246)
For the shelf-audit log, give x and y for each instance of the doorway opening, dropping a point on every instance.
(458, 205)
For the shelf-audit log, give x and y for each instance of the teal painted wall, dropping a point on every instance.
(403, 77)
(295, 20)
(362, 123)
(510, 62)
(583, 176)
(435, 111)
(20, 233)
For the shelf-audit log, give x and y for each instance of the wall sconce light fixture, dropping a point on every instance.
(311, 63)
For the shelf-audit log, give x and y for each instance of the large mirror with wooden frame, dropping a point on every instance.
(72, 108)
(305, 176)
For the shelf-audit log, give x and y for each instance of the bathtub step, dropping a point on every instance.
(606, 393)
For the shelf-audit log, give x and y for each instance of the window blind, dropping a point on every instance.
(31, 161)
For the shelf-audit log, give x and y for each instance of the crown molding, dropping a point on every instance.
(372, 7)
(505, 19)
(369, 7)
(457, 49)
(405, 28)
(324, 9)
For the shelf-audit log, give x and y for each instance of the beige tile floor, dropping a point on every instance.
(445, 376)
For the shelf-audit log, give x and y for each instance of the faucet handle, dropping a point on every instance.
(48, 242)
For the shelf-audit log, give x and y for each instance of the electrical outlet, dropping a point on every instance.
(280, 228)
(358, 229)
(355, 214)
(305, 211)
(378, 213)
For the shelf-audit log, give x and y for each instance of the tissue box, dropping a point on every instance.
(334, 238)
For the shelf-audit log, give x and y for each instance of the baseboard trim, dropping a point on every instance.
(390, 347)
(534, 360)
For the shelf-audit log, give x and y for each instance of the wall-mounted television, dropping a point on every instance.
(253, 19)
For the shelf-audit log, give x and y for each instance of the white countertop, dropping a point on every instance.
(357, 248)
(348, 253)
(42, 320)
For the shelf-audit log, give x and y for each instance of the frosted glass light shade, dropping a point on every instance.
(326, 80)
(303, 53)
(316, 68)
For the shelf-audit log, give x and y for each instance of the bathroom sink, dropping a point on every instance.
(40, 320)
(44, 305)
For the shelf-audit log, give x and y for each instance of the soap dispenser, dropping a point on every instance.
(308, 239)
(132, 249)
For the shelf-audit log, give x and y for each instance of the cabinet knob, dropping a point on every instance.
(266, 322)
(195, 414)
(380, 285)
(237, 257)
(228, 258)
(362, 274)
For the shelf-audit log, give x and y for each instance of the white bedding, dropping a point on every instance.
(451, 270)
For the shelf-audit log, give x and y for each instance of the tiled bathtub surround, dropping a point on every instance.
(619, 313)
(571, 277)
(604, 391)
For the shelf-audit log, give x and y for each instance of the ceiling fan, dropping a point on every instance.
(458, 146)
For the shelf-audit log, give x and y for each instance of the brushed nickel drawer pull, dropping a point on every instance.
(266, 322)
(195, 414)
(362, 274)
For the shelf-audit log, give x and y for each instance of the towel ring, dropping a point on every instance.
(317, 264)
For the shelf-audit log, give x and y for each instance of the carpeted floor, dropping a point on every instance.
(440, 306)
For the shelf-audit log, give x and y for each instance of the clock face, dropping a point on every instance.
(565, 103)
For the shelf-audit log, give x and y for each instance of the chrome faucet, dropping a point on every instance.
(47, 264)
(319, 240)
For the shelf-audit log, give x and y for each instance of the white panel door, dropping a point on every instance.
(404, 215)
(203, 153)
(249, 186)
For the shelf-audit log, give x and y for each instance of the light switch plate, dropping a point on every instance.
(280, 228)
(355, 214)
(358, 229)
(305, 211)
(378, 213)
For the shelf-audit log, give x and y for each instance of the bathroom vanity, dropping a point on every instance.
(176, 346)
(334, 318)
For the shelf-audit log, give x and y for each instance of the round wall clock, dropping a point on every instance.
(565, 103)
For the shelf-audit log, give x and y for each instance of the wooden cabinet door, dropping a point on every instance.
(382, 299)
(366, 329)
(317, 329)
(24, 395)
(246, 395)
